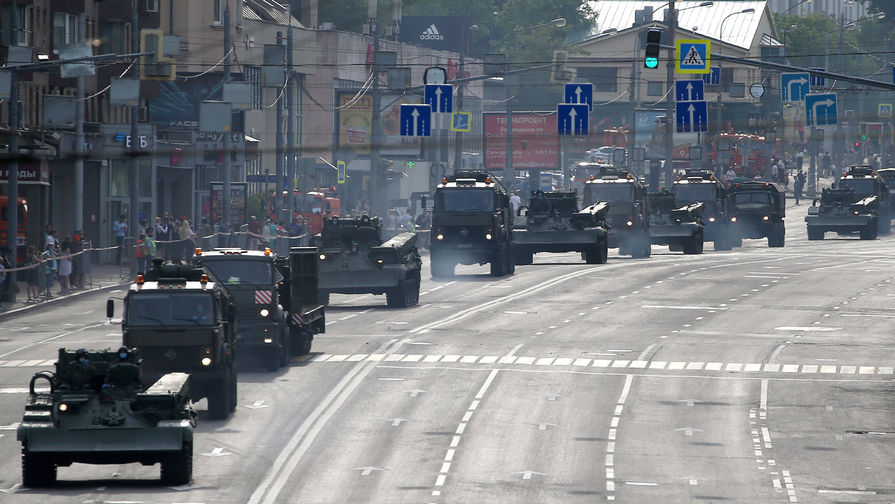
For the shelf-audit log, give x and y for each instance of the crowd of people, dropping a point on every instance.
(62, 261)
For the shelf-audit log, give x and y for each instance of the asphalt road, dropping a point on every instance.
(758, 375)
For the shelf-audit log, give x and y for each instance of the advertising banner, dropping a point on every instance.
(356, 125)
(436, 32)
(237, 201)
(535, 142)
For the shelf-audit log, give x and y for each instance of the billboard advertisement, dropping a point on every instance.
(237, 202)
(356, 125)
(437, 32)
(535, 142)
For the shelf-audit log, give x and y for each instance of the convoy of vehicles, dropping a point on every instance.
(757, 210)
(681, 228)
(552, 223)
(353, 259)
(472, 223)
(313, 206)
(629, 213)
(93, 409)
(701, 186)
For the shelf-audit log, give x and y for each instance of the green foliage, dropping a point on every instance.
(257, 205)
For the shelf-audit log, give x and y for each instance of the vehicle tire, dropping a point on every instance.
(499, 261)
(604, 251)
(592, 254)
(523, 257)
(675, 247)
(233, 387)
(323, 297)
(736, 239)
(283, 353)
(220, 402)
(694, 245)
(177, 468)
(869, 232)
(440, 267)
(883, 224)
(301, 342)
(37, 469)
(815, 234)
(272, 358)
(396, 297)
(511, 262)
(779, 236)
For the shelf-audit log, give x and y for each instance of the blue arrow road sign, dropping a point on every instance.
(580, 93)
(416, 120)
(820, 109)
(571, 119)
(440, 97)
(689, 90)
(691, 116)
(817, 80)
(713, 78)
(794, 86)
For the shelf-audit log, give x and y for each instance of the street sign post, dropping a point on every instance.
(689, 90)
(341, 169)
(416, 120)
(440, 97)
(691, 116)
(794, 86)
(820, 109)
(885, 110)
(693, 56)
(580, 93)
(571, 119)
(461, 121)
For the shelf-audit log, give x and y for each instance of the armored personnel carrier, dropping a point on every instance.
(757, 210)
(867, 182)
(701, 186)
(93, 410)
(681, 228)
(841, 210)
(472, 223)
(353, 259)
(552, 223)
(183, 321)
(629, 213)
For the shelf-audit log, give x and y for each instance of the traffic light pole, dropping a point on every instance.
(669, 97)
(132, 221)
(12, 205)
(227, 163)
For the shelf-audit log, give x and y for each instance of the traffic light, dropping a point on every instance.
(651, 51)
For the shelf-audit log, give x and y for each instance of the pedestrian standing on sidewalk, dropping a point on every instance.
(120, 230)
(32, 260)
(65, 266)
(798, 186)
(49, 260)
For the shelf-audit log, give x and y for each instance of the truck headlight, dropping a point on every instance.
(629, 223)
(711, 219)
(206, 361)
(268, 340)
(439, 236)
(63, 407)
(766, 217)
(487, 236)
(264, 312)
(733, 219)
(322, 257)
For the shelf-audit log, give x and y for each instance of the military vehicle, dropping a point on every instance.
(866, 182)
(701, 186)
(888, 175)
(629, 213)
(681, 228)
(552, 223)
(183, 321)
(842, 211)
(277, 307)
(353, 259)
(757, 210)
(98, 413)
(472, 223)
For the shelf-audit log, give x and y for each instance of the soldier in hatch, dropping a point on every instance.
(79, 372)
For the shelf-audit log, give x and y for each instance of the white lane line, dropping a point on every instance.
(668, 307)
(807, 329)
(52, 338)
(514, 350)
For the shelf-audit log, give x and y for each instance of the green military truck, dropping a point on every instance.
(94, 410)
(472, 223)
(629, 212)
(757, 210)
(701, 186)
(353, 259)
(842, 211)
(183, 321)
(552, 223)
(679, 227)
(277, 307)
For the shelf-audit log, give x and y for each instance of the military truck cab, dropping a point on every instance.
(757, 210)
(272, 323)
(629, 213)
(472, 223)
(353, 259)
(866, 182)
(183, 321)
(81, 413)
(552, 222)
(701, 186)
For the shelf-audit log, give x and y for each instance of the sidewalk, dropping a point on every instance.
(102, 277)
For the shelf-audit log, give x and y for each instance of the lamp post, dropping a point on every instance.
(750, 10)
(793, 7)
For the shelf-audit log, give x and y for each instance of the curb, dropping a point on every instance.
(61, 299)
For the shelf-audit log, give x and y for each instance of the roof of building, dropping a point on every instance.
(268, 11)
(739, 28)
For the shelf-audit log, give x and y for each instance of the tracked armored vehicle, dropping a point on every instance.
(629, 213)
(353, 259)
(552, 223)
(681, 228)
(867, 182)
(472, 223)
(757, 210)
(183, 321)
(842, 211)
(701, 186)
(97, 412)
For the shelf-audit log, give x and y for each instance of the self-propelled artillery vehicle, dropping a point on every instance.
(353, 259)
(94, 410)
(867, 182)
(842, 211)
(552, 223)
(681, 228)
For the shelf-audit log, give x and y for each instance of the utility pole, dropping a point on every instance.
(669, 97)
(458, 138)
(375, 141)
(12, 208)
(278, 186)
(509, 178)
(133, 221)
(79, 139)
(290, 122)
(227, 163)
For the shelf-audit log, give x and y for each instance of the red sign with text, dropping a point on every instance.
(535, 142)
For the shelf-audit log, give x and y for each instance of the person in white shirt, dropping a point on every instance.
(516, 201)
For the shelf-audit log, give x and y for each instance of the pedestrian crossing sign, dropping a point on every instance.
(885, 110)
(693, 56)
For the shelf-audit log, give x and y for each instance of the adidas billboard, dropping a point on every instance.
(436, 32)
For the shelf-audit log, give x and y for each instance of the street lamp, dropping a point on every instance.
(793, 7)
(750, 10)
(560, 22)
